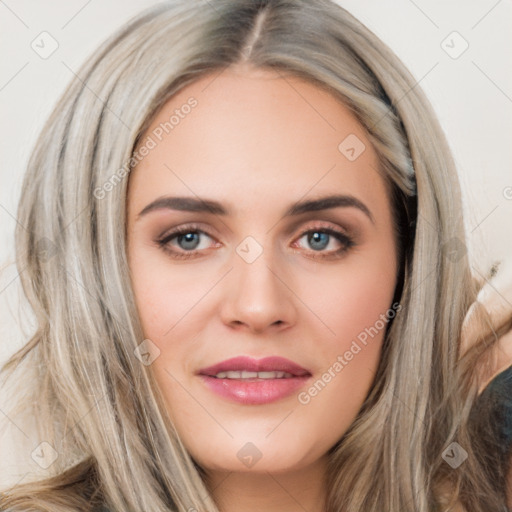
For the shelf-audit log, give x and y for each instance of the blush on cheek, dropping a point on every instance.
(161, 305)
(357, 313)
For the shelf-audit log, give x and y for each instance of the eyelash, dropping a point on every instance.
(163, 242)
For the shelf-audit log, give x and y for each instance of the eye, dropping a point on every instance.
(321, 237)
(186, 238)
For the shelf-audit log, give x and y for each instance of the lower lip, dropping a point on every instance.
(254, 392)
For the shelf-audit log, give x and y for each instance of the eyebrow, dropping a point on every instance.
(191, 204)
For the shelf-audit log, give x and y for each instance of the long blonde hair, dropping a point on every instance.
(99, 407)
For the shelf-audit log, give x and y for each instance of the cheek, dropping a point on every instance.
(356, 306)
(164, 295)
(351, 298)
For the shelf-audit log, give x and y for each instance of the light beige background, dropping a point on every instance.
(472, 95)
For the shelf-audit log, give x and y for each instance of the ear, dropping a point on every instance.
(491, 311)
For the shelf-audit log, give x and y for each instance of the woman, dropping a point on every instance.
(310, 355)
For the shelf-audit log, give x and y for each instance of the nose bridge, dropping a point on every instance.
(259, 297)
(254, 264)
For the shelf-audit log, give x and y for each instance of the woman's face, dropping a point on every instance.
(265, 269)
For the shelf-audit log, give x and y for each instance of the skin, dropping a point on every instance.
(257, 142)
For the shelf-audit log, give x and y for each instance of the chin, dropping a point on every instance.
(256, 457)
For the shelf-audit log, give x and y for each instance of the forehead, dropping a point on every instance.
(253, 132)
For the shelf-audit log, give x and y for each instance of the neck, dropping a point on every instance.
(298, 490)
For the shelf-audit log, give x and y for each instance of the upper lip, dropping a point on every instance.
(267, 364)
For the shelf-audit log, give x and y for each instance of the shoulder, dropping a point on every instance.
(491, 313)
(499, 393)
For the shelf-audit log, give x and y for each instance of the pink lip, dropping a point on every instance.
(255, 391)
(267, 364)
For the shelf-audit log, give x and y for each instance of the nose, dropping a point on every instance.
(259, 297)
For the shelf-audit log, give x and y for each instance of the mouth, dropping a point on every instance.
(245, 375)
(254, 382)
(244, 367)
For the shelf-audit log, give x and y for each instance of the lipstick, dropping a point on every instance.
(254, 381)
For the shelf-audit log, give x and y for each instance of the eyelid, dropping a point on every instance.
(315, 224)
(185, 228)
(322, 224)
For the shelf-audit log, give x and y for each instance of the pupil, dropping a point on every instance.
(189, 239)
(316, 243)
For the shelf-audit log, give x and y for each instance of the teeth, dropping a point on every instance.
(253, 375)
